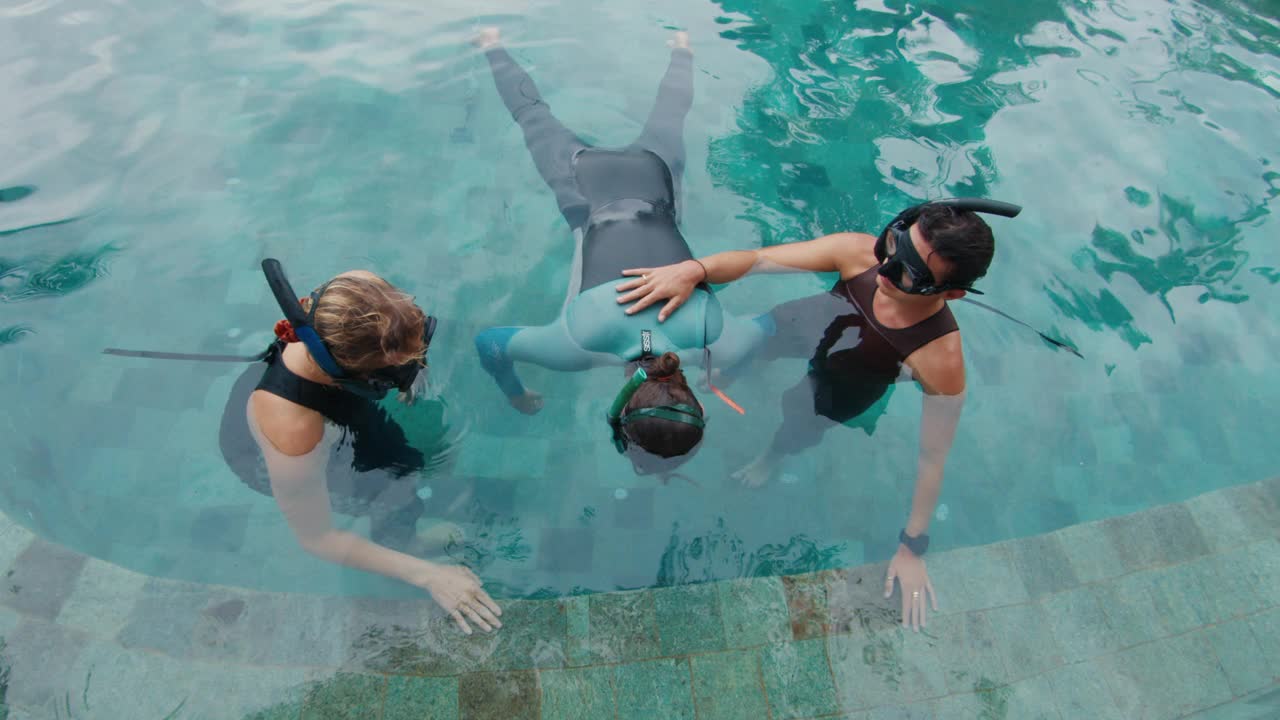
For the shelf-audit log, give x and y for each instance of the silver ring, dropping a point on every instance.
(915, 593)
(645, 278)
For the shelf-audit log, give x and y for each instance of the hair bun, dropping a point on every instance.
(667, 365)
(284, 331)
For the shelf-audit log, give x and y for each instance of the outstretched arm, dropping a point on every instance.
(675, 283)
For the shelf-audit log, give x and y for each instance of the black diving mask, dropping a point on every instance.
(681, 413)
(902, 266)
(372, 385)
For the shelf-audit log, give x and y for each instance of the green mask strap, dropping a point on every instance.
(686, 414)
(620, 403)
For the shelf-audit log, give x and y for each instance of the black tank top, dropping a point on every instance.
(281, 381)
(856, 345)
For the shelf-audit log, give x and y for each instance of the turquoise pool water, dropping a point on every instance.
(155, 152)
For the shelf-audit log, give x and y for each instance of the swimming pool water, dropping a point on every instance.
(157, 151)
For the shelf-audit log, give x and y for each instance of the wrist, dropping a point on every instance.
(698, 272)
(917, 544)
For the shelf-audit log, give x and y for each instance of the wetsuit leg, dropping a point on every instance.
(551, 144)
(664, 130)
(817, 403)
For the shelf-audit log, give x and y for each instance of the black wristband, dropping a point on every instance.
(918, 545)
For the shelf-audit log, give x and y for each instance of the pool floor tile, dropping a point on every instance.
(1081, 691)
(967, 650)
(1091, 555)
(578, 693)
(345, 696)
(164, 617)
(807, 605)
(1024, 635)
(41, 579)
(499, 696)
(688, 619)
(1080, 627)
(1266, 630)
(1241, 657)
(102, 598)
(754, 611)
(797, 679)
(728, 686)
(622, 627)
(1166, 679)
(1043, 565)
(411, 698)
(654, 689)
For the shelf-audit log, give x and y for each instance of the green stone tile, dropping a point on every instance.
(1080, 627)
(345, 695)
(623, 627)
(1090, 553)
(499, 696)
(421, 699)
(797, 678)
(988, 702)
(1081, 691)
(1131, 614)
(689, 619)
(754, 612)
(990, 579)
(1265, 562)
(898, 667)
(577, 694)
(1043, 565)
(1178, 536)
(1025, 638)
(967, 650)
(727, 686)
(1166, 679)
(578, 628)
(1033, 699)
(284, 711)
(1241, 657)
(1181, 597)
(1266, 630)
(856, 602)
(534, 634)
(654, 689)
(916, 711)
(1257, 507)
(1220, 524)
(807, 605)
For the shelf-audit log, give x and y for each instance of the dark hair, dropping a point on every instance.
(666, 386)
(962, 239)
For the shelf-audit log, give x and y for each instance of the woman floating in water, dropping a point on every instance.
(312, 416)
(622, 207)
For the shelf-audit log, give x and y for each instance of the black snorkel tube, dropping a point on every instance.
(979, 205)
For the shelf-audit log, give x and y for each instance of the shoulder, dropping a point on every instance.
(939, 365)
(290, 428)
(854, 252)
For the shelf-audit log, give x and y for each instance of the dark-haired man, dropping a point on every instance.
(886, 319)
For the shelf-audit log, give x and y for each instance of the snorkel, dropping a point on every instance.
(681, 413)
(897, 254)
(372, 385)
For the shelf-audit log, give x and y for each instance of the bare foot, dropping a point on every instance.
(757, 473)
(433, 538)
(679, 40)
(488, 37)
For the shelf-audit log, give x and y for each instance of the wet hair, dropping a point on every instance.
(366, 320)
(666, 386)
(962, 239)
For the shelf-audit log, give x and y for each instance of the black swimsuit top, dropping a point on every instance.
(872, 349)
(281, 381)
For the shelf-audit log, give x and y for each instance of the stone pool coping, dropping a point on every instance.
(1166, 613)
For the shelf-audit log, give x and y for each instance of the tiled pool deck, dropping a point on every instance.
(1168, 613)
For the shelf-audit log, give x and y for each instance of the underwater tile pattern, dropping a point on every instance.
(1169, 613)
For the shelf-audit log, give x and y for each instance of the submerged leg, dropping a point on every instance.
(664, 130)
(550, 143)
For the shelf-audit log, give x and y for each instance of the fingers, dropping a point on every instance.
(888, 582)
(634, 294)
(928, 585)
(483, 611)
(474, 616)
(462, 624)
(644, 302)
(669, 308)
(633, 272)
(629, 285)
(483, 597)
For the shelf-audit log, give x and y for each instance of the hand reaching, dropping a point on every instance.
(913, 579)
(456, 589)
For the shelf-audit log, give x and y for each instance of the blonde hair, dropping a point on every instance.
(368, 323)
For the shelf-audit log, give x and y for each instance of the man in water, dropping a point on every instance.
(886, 319)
